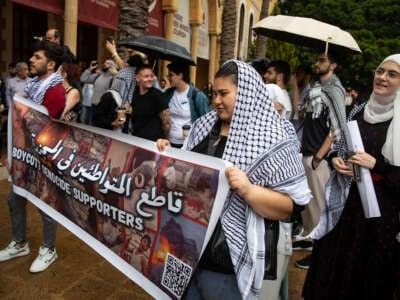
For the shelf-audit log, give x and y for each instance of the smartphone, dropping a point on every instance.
(110, 38)
(356, 168)
(348, 154)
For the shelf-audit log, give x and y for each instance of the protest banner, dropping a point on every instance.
(148, 213)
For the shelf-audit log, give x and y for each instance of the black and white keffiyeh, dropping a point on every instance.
(265, 146)
(35, 89)
(332, 95)
(336, 189)
(124, 83)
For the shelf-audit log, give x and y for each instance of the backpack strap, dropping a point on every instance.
(194, 95)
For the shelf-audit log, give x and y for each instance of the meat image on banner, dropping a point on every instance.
(148, 213)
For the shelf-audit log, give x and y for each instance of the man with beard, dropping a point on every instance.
(278, 72)
(101, 82)
(323, 125)
(46, 89)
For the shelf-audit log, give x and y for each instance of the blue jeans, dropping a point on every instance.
(86, 115)
(17, 206)
(209, 285)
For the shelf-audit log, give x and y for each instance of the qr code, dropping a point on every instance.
(176, 275)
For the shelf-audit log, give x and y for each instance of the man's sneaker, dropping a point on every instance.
(13, 251)
(302, 245)
(297, 229)
(44, 259)
(304, 263)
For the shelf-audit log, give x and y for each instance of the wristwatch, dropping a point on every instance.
(317, 159)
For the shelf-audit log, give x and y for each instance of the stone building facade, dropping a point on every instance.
(211, 30)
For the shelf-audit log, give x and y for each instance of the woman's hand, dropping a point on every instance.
(118, 122)
(111, 47)
(342, 167)
(238, 181)
(363, 159)
(162, 143)
(128, 109)
(68, 116)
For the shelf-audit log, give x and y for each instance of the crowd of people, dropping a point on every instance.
(292, 181)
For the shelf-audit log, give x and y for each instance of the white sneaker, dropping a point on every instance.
(44, 259)
(13, 251)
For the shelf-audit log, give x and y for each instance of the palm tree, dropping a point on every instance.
(261, 41)
(228, 34)
(133, 18)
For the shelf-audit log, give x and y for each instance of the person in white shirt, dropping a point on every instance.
(186, 102)
(278, 72)
(277, 77)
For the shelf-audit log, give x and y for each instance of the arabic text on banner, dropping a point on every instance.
(148, 213)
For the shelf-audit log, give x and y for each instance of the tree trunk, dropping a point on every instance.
(228, 34)
(261, 41)
(133, 18)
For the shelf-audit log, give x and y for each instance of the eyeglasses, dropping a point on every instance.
(321, 60)
(390, 73)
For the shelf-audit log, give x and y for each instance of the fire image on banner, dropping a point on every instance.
(144, 211)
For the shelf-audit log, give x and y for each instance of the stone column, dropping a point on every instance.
(195, 20)
(213, 57)
(71, 24)
(215, 9)
(170, 7)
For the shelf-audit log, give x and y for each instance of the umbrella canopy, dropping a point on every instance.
(159, 48)
(306, 32)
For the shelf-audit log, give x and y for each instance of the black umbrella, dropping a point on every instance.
(159, 48)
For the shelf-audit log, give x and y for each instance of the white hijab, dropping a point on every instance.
(383, 108)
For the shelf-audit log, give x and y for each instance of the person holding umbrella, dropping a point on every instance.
(324, 123)
(186, 103)
(357, 257)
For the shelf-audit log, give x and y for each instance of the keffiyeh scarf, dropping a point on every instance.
(35, 89)
(337, 188)
(332, 95)
(262, 144)
(124, 83)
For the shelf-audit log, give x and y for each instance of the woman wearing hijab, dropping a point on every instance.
(358, 258)
(267, 181)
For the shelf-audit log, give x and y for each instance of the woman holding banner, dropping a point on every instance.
(359, 258)
(267, 182)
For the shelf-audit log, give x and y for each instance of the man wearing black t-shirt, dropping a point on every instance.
(325, 113)
(150, 113)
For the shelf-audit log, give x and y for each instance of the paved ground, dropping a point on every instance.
(79, 273)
